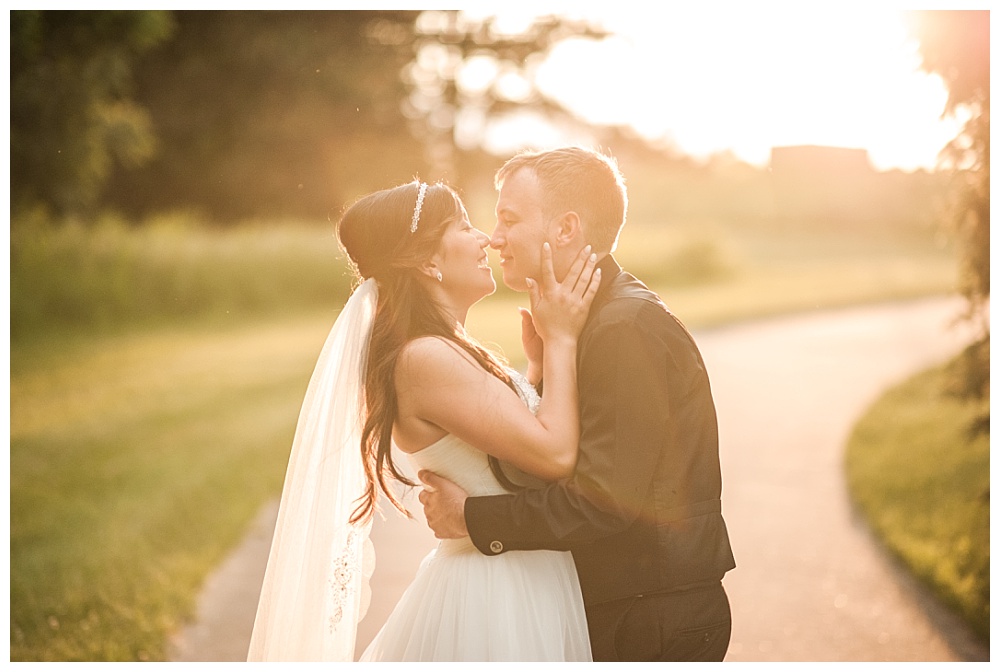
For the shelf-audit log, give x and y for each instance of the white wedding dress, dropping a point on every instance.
(465, 606)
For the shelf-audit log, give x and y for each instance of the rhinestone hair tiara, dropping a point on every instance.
(418, 206)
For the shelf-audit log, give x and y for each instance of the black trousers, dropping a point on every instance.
(685, 625)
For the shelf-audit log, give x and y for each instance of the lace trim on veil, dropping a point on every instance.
(316, 586)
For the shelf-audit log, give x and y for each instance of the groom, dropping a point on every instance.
(642, 512)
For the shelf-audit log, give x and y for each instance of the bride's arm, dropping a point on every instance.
(534, 348)
(439, 384)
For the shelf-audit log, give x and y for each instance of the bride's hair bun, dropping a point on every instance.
(375, 231)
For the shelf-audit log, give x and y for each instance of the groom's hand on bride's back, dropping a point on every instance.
(444, 506)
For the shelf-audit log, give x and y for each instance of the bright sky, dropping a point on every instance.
(747, 76)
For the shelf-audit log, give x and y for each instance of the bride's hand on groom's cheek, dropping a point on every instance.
(444, 506)
(559, 308)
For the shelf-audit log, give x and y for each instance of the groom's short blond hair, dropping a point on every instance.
(581, 180)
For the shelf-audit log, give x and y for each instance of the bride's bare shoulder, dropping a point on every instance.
(432, 356)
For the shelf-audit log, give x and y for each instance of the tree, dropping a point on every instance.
(468, 72)
(273, 113)
(71, 115)
(956, 46)
(293, 113)
(248, 114)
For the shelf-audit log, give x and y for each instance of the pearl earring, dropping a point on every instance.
(440, 277)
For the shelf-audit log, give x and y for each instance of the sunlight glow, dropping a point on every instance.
(744, 78)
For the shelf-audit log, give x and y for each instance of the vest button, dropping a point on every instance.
(496, 546)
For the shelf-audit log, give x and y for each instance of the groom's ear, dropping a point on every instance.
(567, 229)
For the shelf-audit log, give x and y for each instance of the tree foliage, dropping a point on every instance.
(246, 114)
(956, 46)
(294, 113)
(273, 113)
(469, 72)
(72, 119)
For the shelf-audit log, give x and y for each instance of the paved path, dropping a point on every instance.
(811, 585)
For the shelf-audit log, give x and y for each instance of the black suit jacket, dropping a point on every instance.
(642, 512)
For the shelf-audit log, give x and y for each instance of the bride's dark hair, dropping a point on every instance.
(375, 233)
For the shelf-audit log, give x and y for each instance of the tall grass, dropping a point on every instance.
(110, 276)
(107, 275)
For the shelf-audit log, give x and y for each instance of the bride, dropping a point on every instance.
(399, 369)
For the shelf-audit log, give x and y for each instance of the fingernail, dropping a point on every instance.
(545, 245)
(593, 257)
(587, 249)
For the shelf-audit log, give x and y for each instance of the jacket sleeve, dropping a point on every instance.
(624, 375)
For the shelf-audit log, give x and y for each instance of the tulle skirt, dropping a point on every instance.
(465, 606)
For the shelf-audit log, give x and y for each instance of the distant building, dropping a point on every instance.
(819, 159)
(822, 184)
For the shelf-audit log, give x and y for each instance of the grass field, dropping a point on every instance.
(135, 462)
(923, 483)
(156, 376)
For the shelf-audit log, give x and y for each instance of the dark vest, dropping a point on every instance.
(642, 513)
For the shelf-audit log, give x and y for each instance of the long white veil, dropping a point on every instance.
(315, 587)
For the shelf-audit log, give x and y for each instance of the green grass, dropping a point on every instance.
(109, 276)
(924, 486)
(135, 462)
(156, 375)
